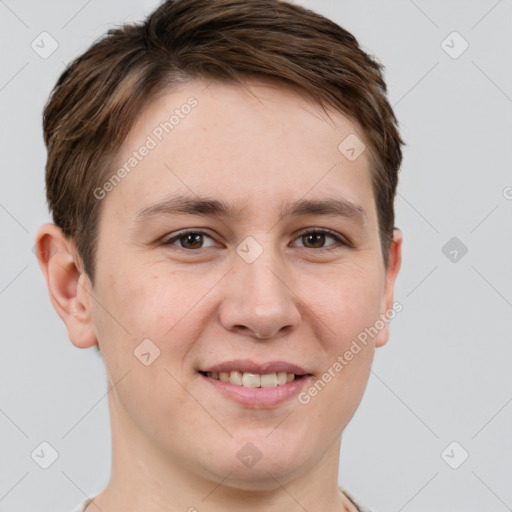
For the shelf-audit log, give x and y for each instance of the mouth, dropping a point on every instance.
(256, 385)
(253, 380)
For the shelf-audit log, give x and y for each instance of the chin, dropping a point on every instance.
(265, 478)
(263, 466)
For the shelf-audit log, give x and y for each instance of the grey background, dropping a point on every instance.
(444, 375)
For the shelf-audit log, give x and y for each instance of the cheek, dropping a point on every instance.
(154, 303)
(142, 299)
(346, 307)
(347, 300)
(145, 306)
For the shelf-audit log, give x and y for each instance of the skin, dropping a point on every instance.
(175, 438)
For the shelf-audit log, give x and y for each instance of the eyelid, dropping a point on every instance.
(169, 240)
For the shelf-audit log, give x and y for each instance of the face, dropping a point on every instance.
(242, 243)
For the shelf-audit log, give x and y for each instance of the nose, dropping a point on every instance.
(259, 298)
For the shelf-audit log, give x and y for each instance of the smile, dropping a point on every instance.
(252, 380)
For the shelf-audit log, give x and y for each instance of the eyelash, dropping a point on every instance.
(340, 241)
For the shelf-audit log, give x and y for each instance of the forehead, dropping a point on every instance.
(259, 147)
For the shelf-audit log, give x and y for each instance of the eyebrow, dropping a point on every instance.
(195, 205)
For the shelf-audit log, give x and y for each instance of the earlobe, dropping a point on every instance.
(68, 286)
(388, 309)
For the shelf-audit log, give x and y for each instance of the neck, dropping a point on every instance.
(144, 478)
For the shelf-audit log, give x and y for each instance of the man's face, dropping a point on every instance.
(253, 291)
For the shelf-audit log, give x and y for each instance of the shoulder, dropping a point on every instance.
(355, 501)
(81, 507)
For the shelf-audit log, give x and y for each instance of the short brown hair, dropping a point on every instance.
(99, 96)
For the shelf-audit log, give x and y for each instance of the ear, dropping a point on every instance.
(69, 287)
(388, 310)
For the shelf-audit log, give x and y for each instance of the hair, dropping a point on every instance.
(99, 96)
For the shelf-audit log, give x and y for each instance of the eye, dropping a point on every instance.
(316, 238)
(189, 240)
(312, 239)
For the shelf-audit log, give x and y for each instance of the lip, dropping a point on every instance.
(246, 365)
(258, 398)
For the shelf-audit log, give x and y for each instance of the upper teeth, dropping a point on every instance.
(253, 380)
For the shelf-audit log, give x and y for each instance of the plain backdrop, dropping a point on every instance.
(433, 431)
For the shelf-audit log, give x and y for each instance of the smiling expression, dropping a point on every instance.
(244, 246)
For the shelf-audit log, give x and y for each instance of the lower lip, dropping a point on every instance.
(259, 398)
